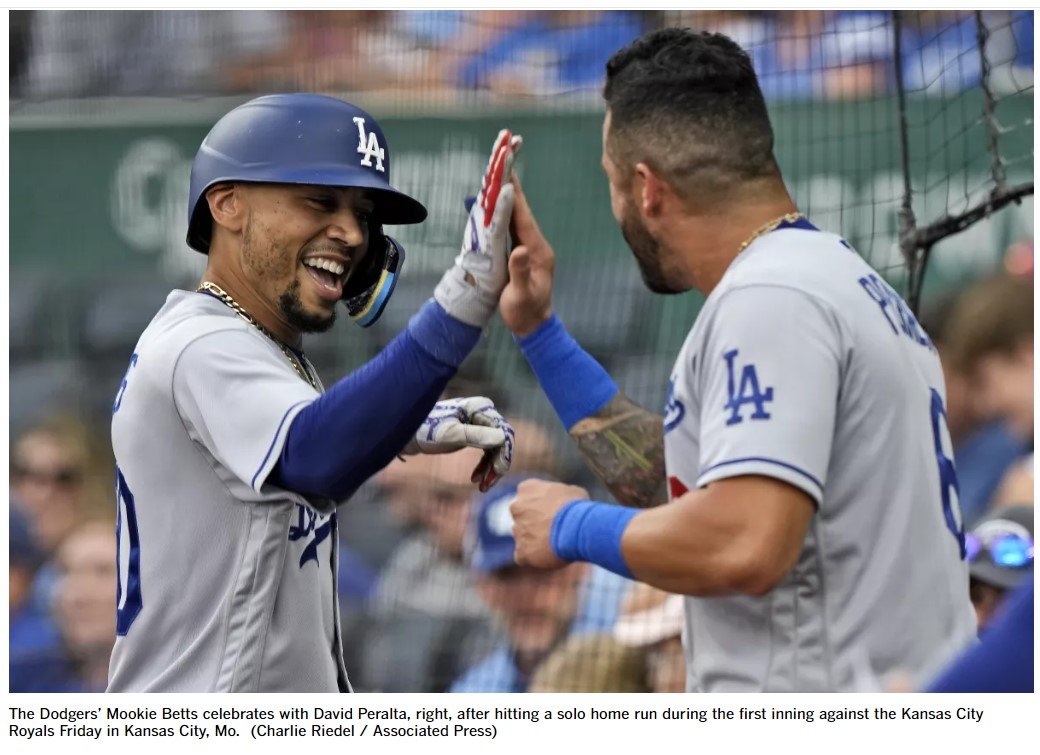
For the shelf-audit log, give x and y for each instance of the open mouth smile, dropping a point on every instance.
(329, 274)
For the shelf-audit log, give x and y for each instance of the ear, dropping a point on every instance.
(650, 190)
(227, 207)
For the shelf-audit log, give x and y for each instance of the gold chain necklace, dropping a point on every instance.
(301, 369)
(768, 228)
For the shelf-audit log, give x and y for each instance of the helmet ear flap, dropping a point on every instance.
(369, 288)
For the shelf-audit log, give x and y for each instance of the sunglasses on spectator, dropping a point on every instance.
(62, 476)
(1009, 551)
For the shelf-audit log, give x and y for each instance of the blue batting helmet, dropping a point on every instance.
(308, 139)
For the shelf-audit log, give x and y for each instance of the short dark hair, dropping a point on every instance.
(993, 316)
(688, 104)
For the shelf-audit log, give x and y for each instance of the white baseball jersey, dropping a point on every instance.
(226, 582)
(804, 366)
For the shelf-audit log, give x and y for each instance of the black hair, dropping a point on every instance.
(688, 104)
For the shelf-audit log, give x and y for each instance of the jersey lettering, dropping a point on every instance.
(368, 145)
(749, 391)
(307, 524)
(895, 310)
(122, 386)
(674, 411)
(128, 587)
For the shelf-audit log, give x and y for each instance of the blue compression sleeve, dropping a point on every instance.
(359, 425)
(575, 383)
(591, 531)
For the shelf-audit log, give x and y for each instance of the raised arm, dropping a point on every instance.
(391, 397)
(622, 443)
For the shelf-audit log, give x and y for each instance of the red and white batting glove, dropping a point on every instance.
(470, 289)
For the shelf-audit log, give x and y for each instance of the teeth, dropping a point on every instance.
(334, 267)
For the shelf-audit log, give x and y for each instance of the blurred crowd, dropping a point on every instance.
(432, 600)
(798, 54)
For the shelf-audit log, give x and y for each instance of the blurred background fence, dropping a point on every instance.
(886, 123)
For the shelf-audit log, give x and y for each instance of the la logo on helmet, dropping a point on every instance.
(368, 145)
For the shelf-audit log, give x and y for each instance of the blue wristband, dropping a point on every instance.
(591, 531)
(575, 383)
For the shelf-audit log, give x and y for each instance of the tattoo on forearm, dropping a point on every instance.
(623, 444)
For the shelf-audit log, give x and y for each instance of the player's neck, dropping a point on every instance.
(255, 304)
(708, 242)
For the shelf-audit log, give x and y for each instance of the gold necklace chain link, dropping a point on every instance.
(297, 363)
(768, 228)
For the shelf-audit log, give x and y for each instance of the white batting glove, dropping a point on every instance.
(470, 289)
(462, 422)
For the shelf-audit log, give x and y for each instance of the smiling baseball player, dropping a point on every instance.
(231, 456)
(799, 488)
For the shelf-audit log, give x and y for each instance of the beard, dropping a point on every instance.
(264, 259)
(647, 251)
(292, 308)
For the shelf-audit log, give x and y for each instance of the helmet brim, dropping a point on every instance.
(392, 207)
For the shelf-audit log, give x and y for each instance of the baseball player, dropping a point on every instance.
(231, 456)
(813, 518)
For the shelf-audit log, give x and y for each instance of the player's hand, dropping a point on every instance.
(462, 422)
(470, 289)
(527, 299)
(536, 503)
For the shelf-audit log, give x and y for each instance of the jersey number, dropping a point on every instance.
(947, 472)
(128, 586)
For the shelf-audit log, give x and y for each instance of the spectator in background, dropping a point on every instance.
(31, 629)
(422, 599)
(643, 653)
(317, 50)
(77, 53)
(425, 621)
(61, 470)
(1018, 484)
(61, 473)
(85, 611)
(1003, 660)
(535, 609)
(1000, 550)
(591, 663)
(989, 341)
(652, 621)
(940, 51)
(550, 52)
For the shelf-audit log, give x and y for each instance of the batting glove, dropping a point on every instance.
(470, 289)
(462, 422)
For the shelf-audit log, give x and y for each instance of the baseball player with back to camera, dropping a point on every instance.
(231, 456)
(813, 519)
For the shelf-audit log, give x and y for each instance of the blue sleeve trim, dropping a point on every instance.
(576, 385)
(440, 335)
(592, 531)
(274, 440)
(767, 460)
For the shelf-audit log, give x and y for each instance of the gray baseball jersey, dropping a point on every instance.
(226, 582)
(805, 366)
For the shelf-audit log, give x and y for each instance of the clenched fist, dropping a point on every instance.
(537, 502)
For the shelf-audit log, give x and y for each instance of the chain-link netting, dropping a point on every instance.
(886, 124)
